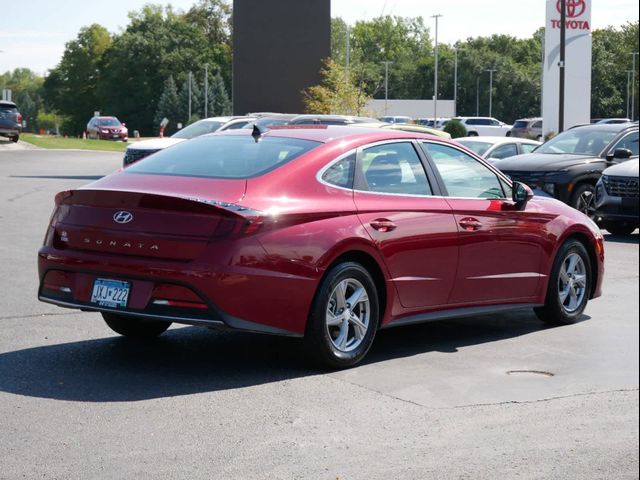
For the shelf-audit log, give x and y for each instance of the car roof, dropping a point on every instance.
(607, 127)
(496, 140)
(328, 133)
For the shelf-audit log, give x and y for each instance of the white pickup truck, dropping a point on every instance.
(488, 126)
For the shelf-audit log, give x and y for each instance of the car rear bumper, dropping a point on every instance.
(233, 297)
(9, 131)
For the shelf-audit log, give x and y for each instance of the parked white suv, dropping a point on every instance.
(489, 126)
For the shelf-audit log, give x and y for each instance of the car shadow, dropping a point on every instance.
(632, 238)
(193, 360)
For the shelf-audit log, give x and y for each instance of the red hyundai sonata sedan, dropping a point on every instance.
(330, 233)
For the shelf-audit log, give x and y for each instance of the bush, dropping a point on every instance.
(455, 128)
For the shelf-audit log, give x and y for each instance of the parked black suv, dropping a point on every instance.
(569, 165)
(10, 121)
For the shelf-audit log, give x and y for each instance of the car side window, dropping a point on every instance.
(341, 173)
(393, 168)
(630, 142)
(505, 151)
(463, 175)
(494, 123)
(527, 147)
(537, 125)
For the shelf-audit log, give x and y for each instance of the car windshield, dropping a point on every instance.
(587, 141)
(201, 127)
(476, 146)
(221, 156)
(109, 122)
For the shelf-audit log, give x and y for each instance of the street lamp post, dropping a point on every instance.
(386, 85)
(455, 80)
(477, 95)
(491, 70)
(629, 77)
(633, 87)
(435, 75)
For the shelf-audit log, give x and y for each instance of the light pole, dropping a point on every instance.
(435, 76)
(455, 79)
(491, 70)
(629, 77)
(206, 90)
(348, 50)
(477, 95)
(386, 85)
(633, 87)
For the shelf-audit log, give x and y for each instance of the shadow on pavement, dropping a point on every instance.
(633, 238)
(193, 360)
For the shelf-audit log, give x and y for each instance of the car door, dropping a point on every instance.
(414, 230)
(501, 247)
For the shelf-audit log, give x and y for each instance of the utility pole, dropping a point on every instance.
(189, 119)
(629, 77)
(348, 50)
(455, 80)
(633, 87)
(435, 76)
(491, 70)
(386, 85)
(563, 45)
(206, 90)
(477, 95)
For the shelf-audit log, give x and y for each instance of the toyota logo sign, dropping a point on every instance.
(575, 8)
(122, 217)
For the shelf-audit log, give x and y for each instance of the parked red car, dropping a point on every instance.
(325, 232)
(107, 128)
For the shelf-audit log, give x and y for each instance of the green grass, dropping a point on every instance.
(49, 141)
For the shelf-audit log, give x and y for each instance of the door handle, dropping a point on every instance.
(383, 225)
(470, 224)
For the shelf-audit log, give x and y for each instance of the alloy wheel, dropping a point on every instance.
(572, 282)
(348, 315)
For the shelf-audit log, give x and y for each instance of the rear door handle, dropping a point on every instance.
(383, 225)
(470, 224)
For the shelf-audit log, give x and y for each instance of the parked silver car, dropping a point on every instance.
(617, 198)
(528, 128)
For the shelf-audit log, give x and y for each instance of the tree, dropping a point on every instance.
(455, 128)
(169, 106)
(197, 105)
(71, 87)
(338, 93)
(26, 87)
(219, 104)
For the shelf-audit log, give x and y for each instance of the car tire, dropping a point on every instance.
(619, 228)
(569, 285)
(15, 138)
(472, 134)
(584, 199)
(133, 327)
(508, 134)
(539, 138)
(333, 340)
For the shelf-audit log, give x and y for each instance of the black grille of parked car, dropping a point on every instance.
(621, 186)
(532, 179)
(132, 155)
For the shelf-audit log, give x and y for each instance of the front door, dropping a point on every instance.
(501, 247)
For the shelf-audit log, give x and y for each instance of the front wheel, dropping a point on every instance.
(135, 327)
(15, 138)
(344, 317)
(569, 285)
(584, 199)
(619, 228)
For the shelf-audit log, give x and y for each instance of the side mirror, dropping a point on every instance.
(521, 194)
(619, 154)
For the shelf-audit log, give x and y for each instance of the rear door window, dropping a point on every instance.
(505, 151)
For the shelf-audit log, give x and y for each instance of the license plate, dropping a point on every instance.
(115, 135)
(110, 293)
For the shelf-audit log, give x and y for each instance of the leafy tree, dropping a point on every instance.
(338, 93)
(26, 87)
(169, 106)
(196, 100)
(71, 87)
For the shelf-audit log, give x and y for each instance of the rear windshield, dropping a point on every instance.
(199, 128)
(8, 108)
(476, 146)
(520, 124)
(217, 156)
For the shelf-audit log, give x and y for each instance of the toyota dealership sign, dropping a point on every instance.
(577, 64)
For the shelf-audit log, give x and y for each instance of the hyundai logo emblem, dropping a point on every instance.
(122, 217)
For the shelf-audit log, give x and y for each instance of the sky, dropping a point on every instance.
(33, 33)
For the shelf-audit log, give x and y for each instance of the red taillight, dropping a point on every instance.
(62, 196)
(19, 118)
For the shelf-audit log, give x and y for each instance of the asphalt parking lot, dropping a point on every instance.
(490, 397)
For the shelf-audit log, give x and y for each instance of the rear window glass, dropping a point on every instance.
(218, 156)
(8, 108)
(520, 124)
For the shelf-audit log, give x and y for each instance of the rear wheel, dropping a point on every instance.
(569, 285)
(619, 228)
(15, 138)
(135, 327)
(584, 199)
(344, 317)
(472, 134)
